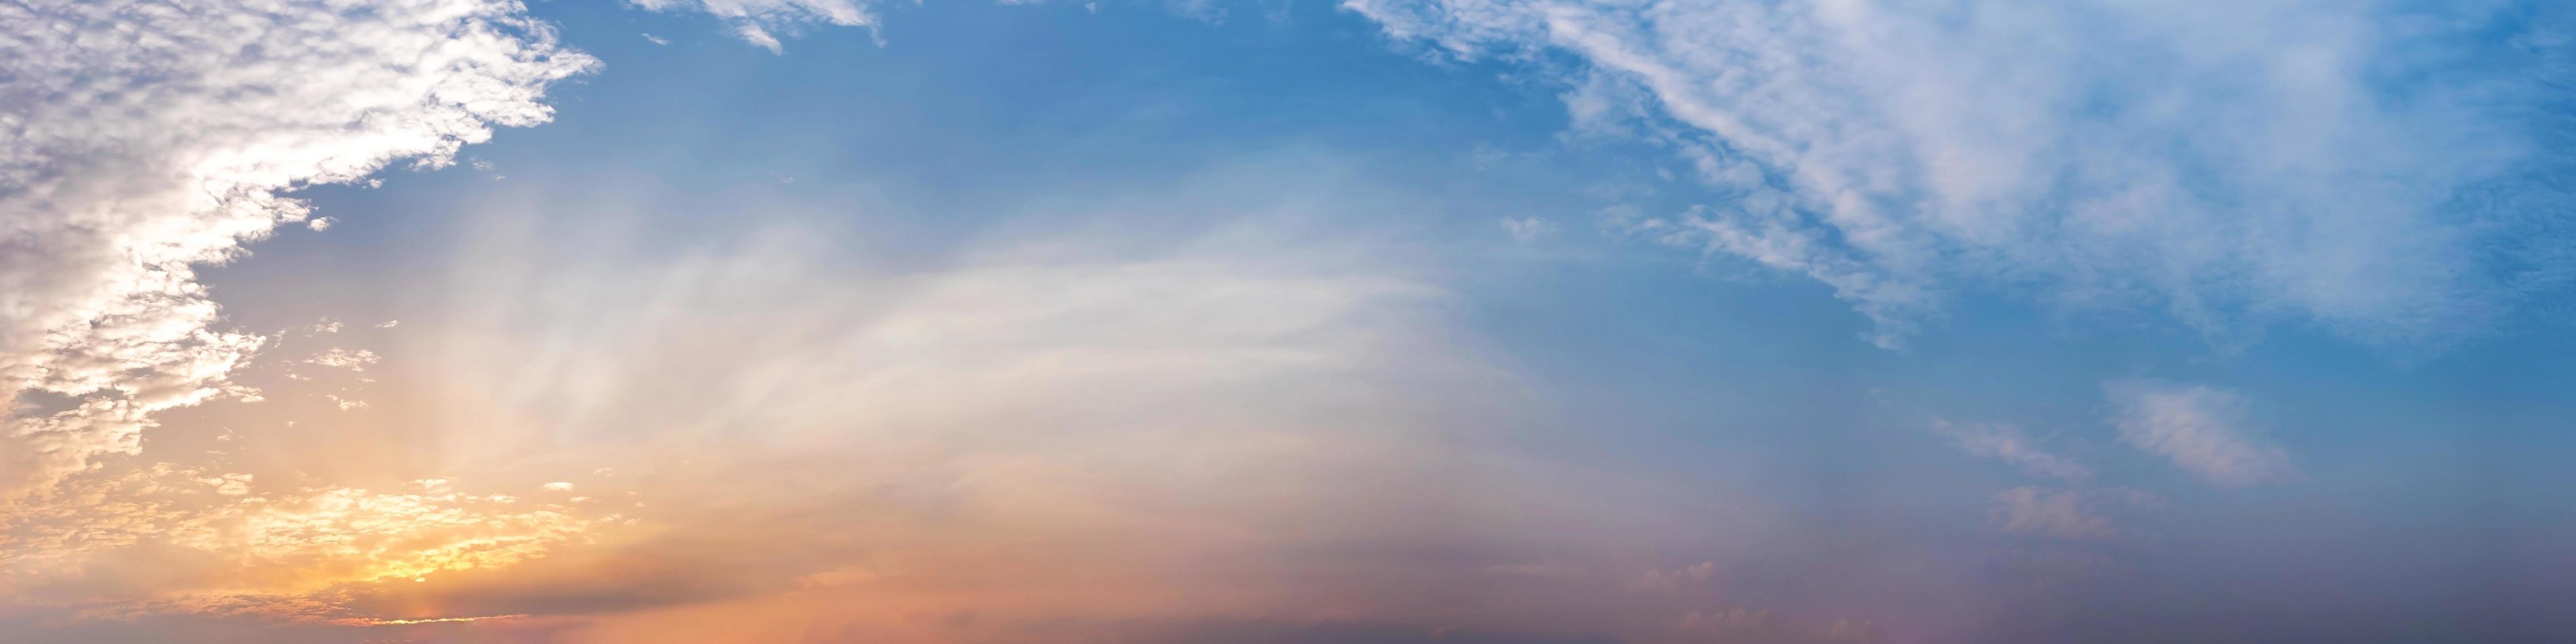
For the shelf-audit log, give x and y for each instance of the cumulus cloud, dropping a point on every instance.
(144, 137)
(2358, 166)
(759, 21)
(2203, 430)
(2006, 443)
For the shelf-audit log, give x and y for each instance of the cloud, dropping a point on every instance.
(172, 539)
(2067, 514)
(346, 404)
(756, 21)
(1199, 413)
(343, 358)
(144, 138)
(2006, 443)
(2200, 429)
(2372, 170)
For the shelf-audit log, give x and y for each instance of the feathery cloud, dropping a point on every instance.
(758, 21)
(2350, 164)
(2202, 430)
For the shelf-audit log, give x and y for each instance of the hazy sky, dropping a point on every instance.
(1287, 321)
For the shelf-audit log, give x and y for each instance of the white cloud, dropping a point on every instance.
(756, 21)
(2202, 430)
(345, 359)
(319, 224)
(145, 137)
(2006, 443)
(2229, 162)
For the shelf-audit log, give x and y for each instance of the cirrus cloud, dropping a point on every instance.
(756, 21)
(2352, 165)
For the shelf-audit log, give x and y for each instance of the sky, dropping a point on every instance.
(1287, 321)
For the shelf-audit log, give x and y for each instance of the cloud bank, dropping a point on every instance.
(2359, 166)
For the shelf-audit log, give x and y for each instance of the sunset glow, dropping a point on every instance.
(1287, 321)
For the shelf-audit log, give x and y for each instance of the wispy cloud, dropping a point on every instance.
(2226, 162)
(2007, 443)
(760, 21)
(2203, 430)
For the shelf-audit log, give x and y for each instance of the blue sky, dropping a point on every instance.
(1295, 321)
